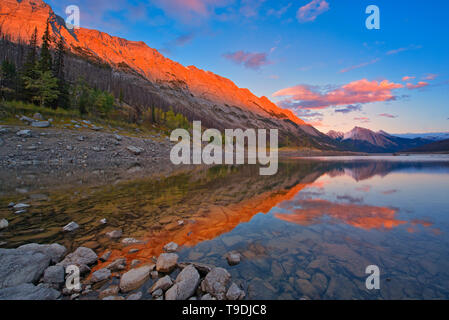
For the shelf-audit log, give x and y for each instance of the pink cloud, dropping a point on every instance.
(420, 84)
(362, 119)
(312, 10)
(396, 51)
(387, 115)
(430, 76)
(407, 78)
(360, 65)
(248, 59)
(357, 92)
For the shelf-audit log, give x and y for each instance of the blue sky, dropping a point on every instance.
(313, 56)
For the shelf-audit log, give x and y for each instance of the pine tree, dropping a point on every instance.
(63, 100)
(29, 70)
(45, 86)
(8, 80)
(45, 62)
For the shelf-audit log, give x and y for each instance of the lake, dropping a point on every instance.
(309, 232)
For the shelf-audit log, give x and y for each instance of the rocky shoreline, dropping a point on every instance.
(43, 272)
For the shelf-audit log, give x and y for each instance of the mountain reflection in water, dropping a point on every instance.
(307, 232)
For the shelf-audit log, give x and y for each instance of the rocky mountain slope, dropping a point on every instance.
(365, 140)
(199, 94)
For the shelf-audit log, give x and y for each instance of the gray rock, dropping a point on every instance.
(134, 278)
(135, 150)
(158, 293)
(118, 137)
(106, 256)
(55, 251)
(28, 291)
(130, 241)
(235, 293)
(135, 296)
(41, 124)
(72, 226)
(216, 283)
(185, 285)
(20, 211)
(100, 275)
(233, 258)
(27, 119)
(103, 221)
(3, 224)
(166, 262)
(207, 297)
(11, 204)
(135, 263)
(116, 234)
(117, 265)
(24, 133)
(171, 247)
(19, 266)
(162, 284)
(54, 275)
(81, 256)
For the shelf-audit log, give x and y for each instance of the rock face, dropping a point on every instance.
(216, 283)
(28, 291)
(81, 256)
(134, 278)
(185, 284)
(20, 266)
(166, 262)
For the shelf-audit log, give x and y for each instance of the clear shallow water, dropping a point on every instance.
(308, 232)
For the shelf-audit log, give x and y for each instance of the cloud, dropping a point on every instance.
(430, 76)
(362, 119)
(396, 51)
(248, 59)
(190, 11)
(312, 10)
(350, 108)
(356, 92)
(179, 41)
(387, 115)
(360, 65)
(420, 84)
(250, 8)
(279, 13)
(407, 78)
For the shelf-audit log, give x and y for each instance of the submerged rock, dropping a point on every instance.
(116, 234)
(166, 262)
(134, 278)
(117, 265)
(111, 291)
(135, 296)
(233, 258)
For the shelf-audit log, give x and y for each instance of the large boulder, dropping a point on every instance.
(28, 291)
(216, 283)
(162, 284)
(20, 266)
(100, 275)
(54, 275)
(185, 284)
(55, 251)
(134, 278)
(80, 257)
(167, 262)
